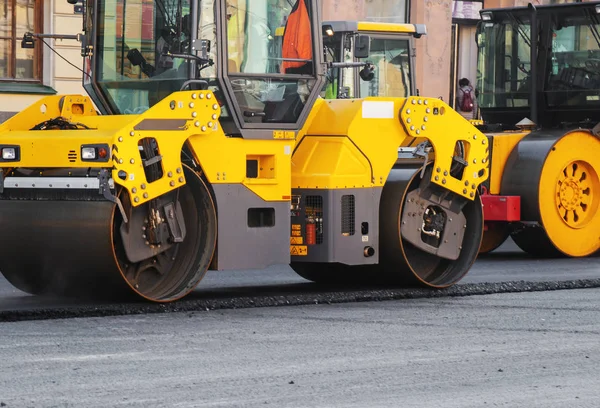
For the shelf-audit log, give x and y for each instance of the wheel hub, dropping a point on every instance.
(574, 194)
(570, 194)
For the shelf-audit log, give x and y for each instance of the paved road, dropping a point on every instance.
(518, 350)
(508, 263)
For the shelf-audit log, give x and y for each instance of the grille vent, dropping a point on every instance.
(72, 156)
(348, 215)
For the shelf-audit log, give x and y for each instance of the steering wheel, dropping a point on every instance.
(241, 82)
(520, 65)
(593, 64)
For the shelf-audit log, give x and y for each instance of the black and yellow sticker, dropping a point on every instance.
(296, 227)
(296, 240)
(296, 233)
(298, 250)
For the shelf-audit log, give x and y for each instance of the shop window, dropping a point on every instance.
(16, 18)
(386, 11)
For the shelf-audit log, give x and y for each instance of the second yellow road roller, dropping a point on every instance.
(539, 95)
(203, 144)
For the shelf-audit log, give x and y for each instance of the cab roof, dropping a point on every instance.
(416, 30)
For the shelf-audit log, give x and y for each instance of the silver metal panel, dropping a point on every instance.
(421, 29)
(83, 183)
(450, 236)
(350, 249)
(241, 247)
(335, 246)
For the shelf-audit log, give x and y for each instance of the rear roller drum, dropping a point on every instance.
(404, 235)
(535, 242)
(333, 273)
(495, 234)
(84, 249)
(557, 179)
(400, 261)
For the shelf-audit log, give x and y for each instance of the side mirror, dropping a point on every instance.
(27, 41)
(135, 57)
(362, 46)
(367, 73)
(73, 2)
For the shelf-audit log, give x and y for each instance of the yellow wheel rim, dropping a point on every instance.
(575, 194)
(569, 194)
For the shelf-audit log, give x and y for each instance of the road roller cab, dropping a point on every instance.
(390, 53)
(539, 96)
(203, 144)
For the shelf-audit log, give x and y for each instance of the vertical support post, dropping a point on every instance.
(194, 15)
(533, 64)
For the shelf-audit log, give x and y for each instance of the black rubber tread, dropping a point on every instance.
(535, 242)
(334, 273)
(523, 171)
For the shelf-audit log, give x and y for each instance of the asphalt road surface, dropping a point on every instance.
(228, 289)
(516, 350)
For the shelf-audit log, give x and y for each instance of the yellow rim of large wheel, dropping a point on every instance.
(569, 194)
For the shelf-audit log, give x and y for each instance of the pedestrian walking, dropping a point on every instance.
(466, 100)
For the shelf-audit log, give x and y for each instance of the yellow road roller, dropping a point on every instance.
(539, 95)
(204, 144)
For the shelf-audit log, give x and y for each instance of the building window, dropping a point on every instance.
(466, 10)
(16, 18)
(386, 11)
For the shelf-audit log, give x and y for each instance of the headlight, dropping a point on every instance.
(486, 15)
(95, 152)
(88, 153)
(9, 153)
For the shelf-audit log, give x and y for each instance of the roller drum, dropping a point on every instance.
(495, 234)
(59, 247)
(77, 247)
(556, 176)
(402, 261)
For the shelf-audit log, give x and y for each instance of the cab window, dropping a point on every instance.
(392, 69)
(270, 58)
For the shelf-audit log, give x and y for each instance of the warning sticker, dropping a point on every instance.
(296, 227)
(296, 240)
(296, 233)
(299, 250)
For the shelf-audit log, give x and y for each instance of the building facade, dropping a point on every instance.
(446, 54)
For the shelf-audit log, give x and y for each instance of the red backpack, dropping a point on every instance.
(467, 101)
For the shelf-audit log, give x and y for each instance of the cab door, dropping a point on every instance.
(392, 56)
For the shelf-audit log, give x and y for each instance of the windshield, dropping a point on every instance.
(392, 69)
(132, 67)
(503, 64)
(340, 81)
(568, 63)
(391, 63)
(574, 74)
(270, 58)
